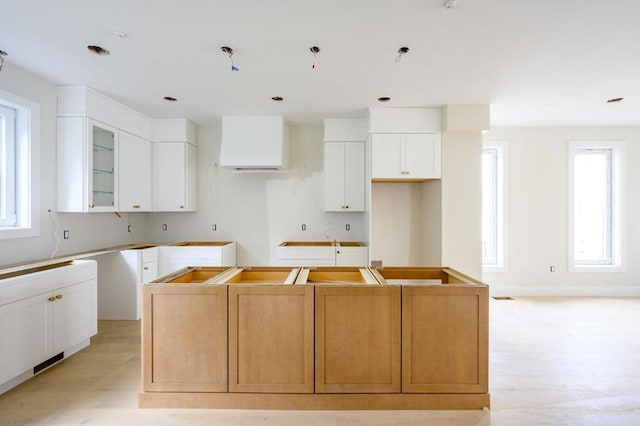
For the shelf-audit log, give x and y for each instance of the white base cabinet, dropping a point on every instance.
(45, 315)
(337, 254)
(195, 253)
(121, 276)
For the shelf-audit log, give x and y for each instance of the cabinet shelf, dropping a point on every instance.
(97, 148)
(98, 171)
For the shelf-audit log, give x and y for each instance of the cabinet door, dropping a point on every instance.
(422, 156)
(334, 172)
(351, 256)
(134, 167)
(103, 172)
(271, 339)
(174, 170)
(74, 314)
(184, 338)
(386, 156)
(357, 339)
(444, 339)
(25, 340)
(354, 176)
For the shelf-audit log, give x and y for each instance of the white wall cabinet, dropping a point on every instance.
(407, 157)
(174, 165)
(134, 168)
(174, 177)
(87, 153)
(344, 172)
(45, 313)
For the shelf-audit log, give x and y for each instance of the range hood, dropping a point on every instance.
(254, 143)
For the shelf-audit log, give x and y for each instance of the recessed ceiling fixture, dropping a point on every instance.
(384, 99)
(401, 51)
(449, 4)
(119, 34)
(277, 98)
(98, 50)
(229, 52)
(2, 55)
(170, 99)
(614, 100)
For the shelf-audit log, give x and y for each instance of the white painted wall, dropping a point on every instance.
(537, 167)
(87, 231)
(259, 210)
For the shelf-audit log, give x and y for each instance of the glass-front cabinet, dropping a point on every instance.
(102, 147)
(102, 179)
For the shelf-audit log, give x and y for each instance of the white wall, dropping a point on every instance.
(87, 231)
(259, 210)
(537, 217)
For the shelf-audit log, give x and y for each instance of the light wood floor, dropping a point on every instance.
(554, 361)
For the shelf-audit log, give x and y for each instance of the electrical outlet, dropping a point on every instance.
(304, 226)
(65, 234)
(164, 227)
(347, 227)
(129, 228)
(214, 227)
(552, 268)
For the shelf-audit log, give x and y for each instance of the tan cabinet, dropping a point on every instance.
(270, 332)
(184, 345)
(444, 339)
(357, 339)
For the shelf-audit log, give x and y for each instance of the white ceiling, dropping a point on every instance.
(537, 62)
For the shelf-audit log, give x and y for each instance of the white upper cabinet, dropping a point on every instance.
(174, 165)
(344, 176)
(134, 166)
(344, 164)
(410, 157)
(87, 165)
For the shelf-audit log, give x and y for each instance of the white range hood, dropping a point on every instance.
(254, 143)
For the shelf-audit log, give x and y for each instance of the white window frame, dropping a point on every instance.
(501, 264)
(616, 209)
(27, 167)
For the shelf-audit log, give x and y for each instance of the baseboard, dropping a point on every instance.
(588, 291)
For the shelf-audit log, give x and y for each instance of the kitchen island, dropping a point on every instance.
(315, 338)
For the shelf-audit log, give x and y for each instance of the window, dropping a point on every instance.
(19, 171)
(595, 186)
(493, 206)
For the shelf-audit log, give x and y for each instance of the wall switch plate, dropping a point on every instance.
(347, 227)
(304, 226)
(214, 227)
(164, 227)
(129, 228)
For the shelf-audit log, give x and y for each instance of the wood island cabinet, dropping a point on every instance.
(184, 347)
(270, 338)
(357, 339)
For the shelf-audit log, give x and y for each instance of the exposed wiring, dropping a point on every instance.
(401, 52)
(56, 237)
(229, 52)
(2, 55)
(315, 50)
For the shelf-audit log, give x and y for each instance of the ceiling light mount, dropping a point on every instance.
(2, 55)
(170, 99)
(315, 50)
(384, 99)
(119, 34)
(98, 50)
(277, 98)
(614, 100)
(402, 51)
(449, 4)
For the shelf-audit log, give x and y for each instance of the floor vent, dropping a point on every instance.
(38, 368)
(503, 298)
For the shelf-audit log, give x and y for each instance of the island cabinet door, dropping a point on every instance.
(357, 339)
(444, 339)
(184, 338)
(270, 338)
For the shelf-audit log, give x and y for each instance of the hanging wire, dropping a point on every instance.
(229, 51)
(401, 52)
(315, 50)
